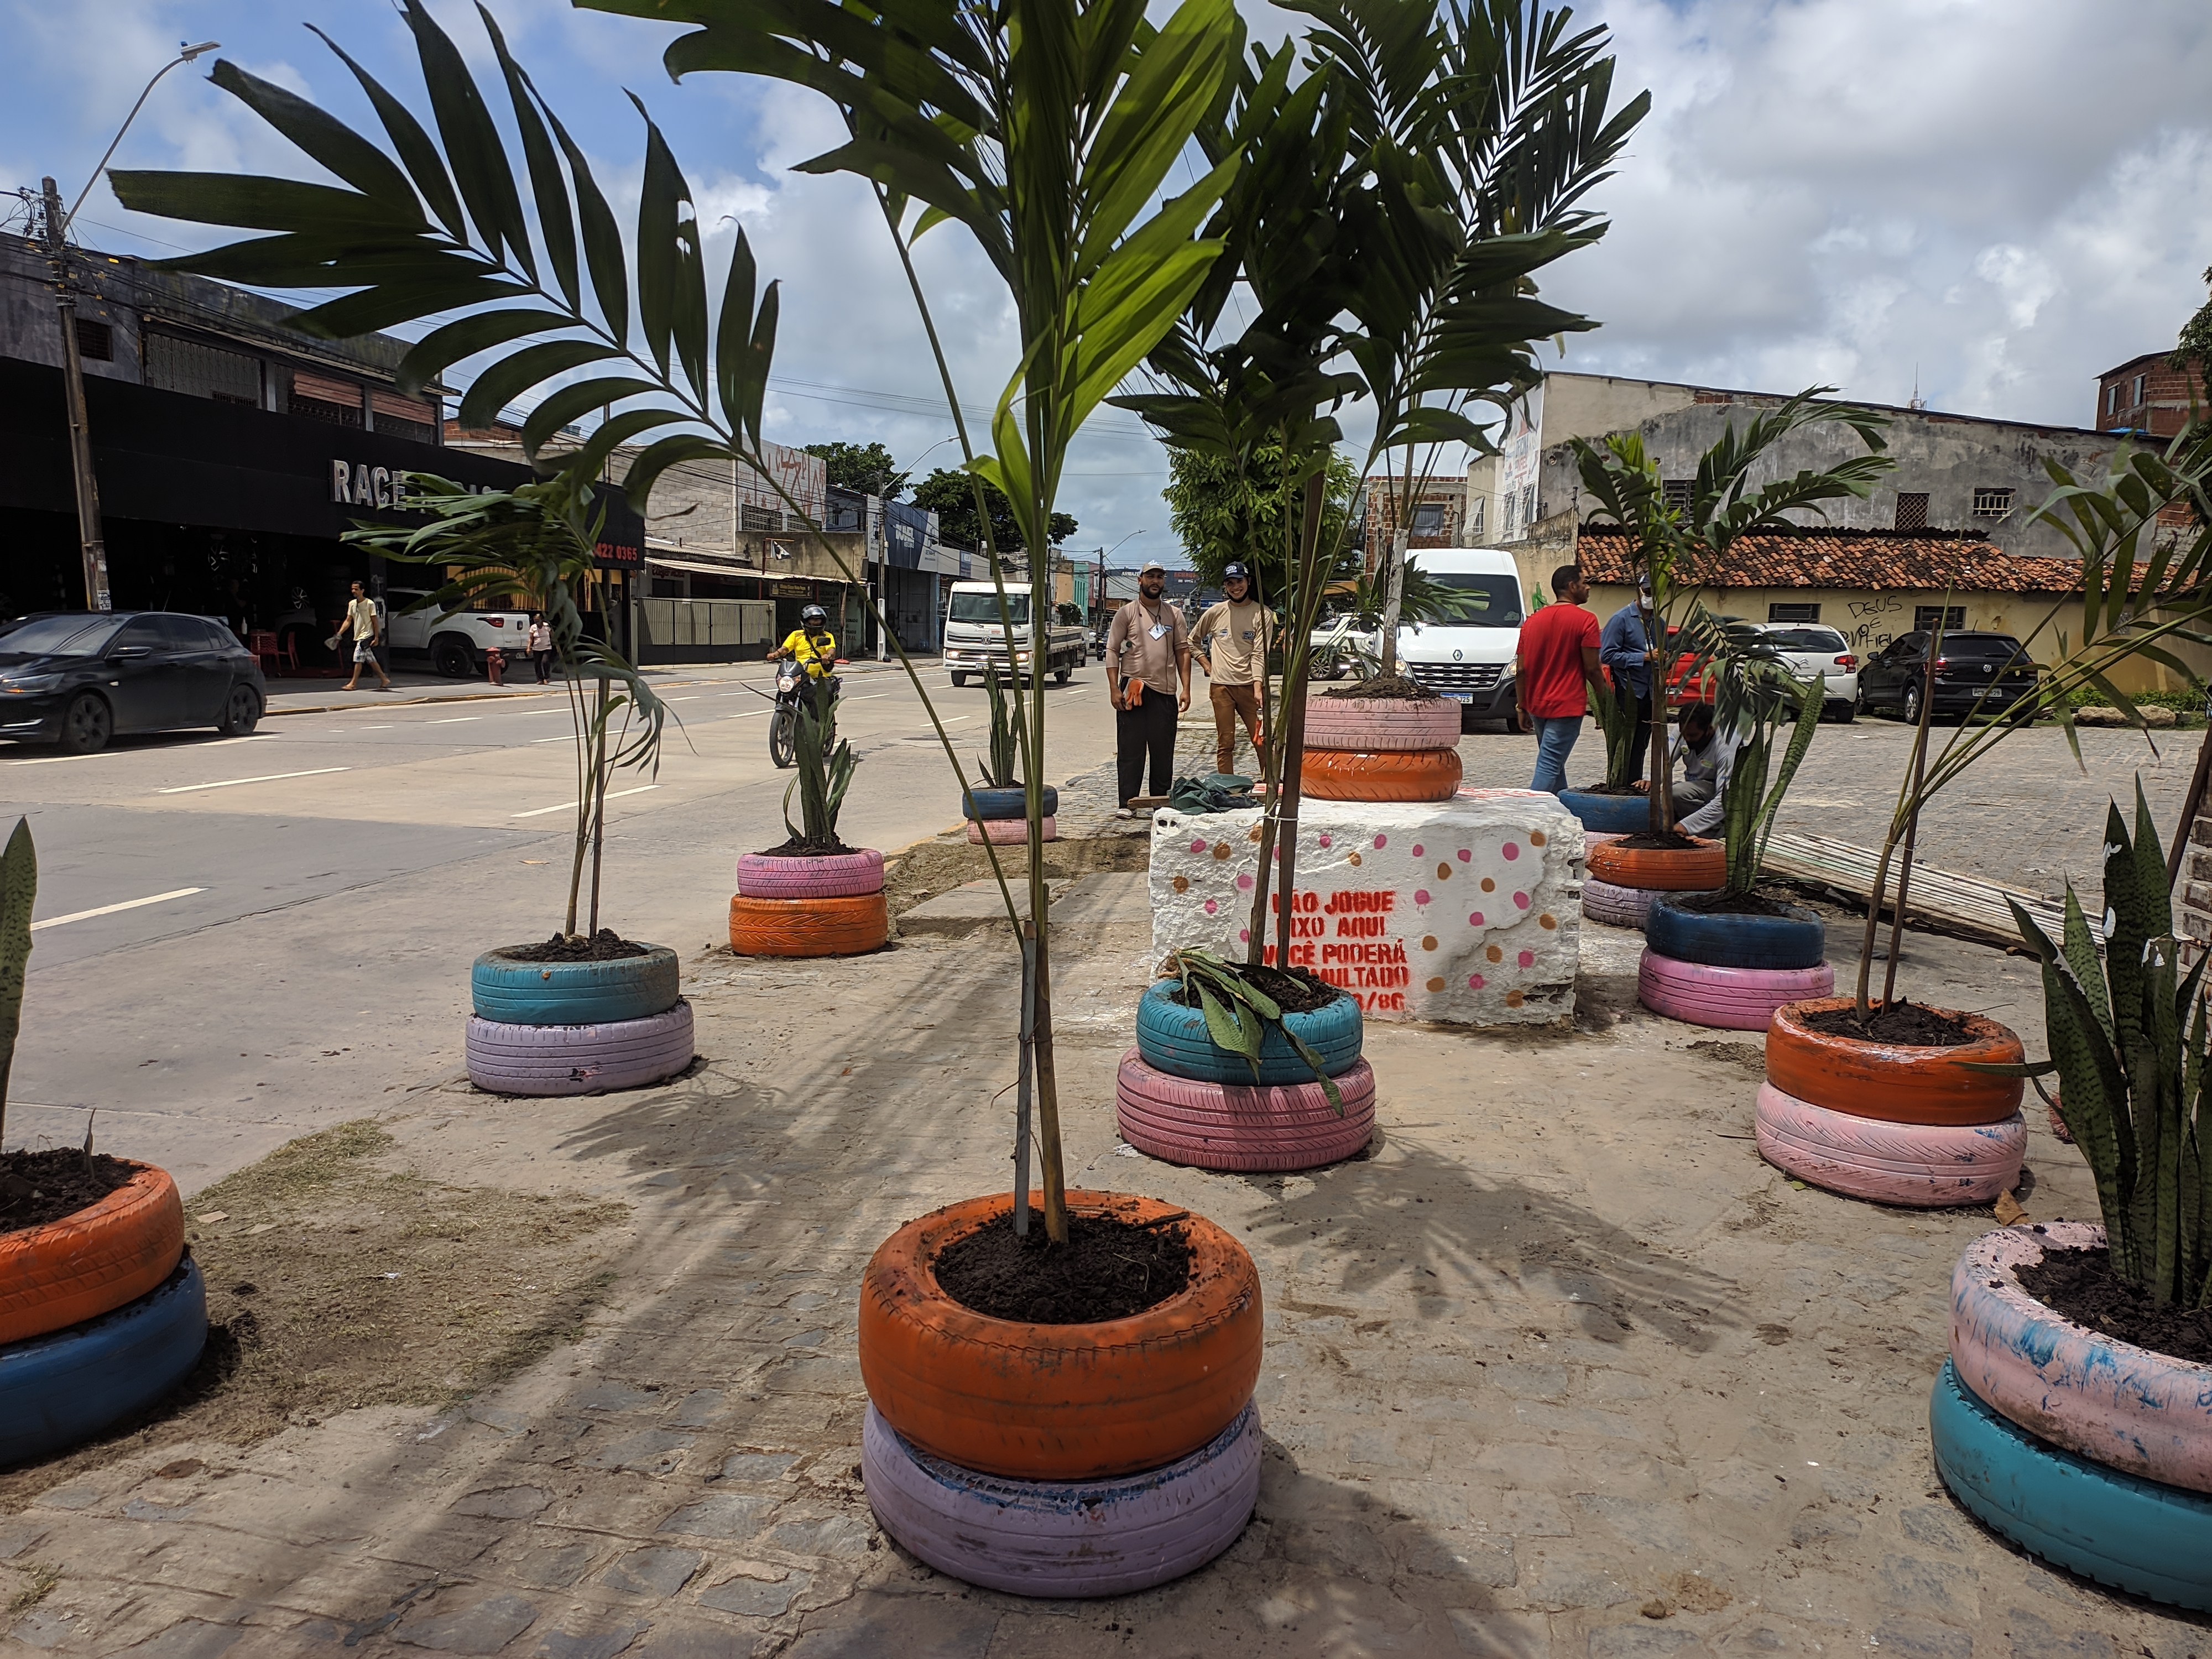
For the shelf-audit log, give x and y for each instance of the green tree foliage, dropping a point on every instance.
(1221, 511)
(867, 468)
(952, 496)
(18, 891)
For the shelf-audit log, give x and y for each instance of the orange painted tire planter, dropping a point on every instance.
(1058, 1402)
(1388, 775)
(1701, 870)
(1892, 1081)
(809, 927)
(91, 1263)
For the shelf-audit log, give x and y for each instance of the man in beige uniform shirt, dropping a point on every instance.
(1231, 643)
(1147, 651)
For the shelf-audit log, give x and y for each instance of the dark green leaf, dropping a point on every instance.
(326, 139)
(472, 142)
(444, 346)
(415, 150)
(555, 222)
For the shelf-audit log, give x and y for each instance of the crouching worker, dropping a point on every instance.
(1707, 758)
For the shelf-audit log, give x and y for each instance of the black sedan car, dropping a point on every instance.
(78, 677)
(1988, 673)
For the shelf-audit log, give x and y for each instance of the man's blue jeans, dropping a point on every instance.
(1555, 741)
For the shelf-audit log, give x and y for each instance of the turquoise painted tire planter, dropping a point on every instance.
(1172, 1038)
(1619, 814)
(60, 1389)
(988, 805)
(1799, 939)
(573, 992)
(2135, 1536)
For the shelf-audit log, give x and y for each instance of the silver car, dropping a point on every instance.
(1814, 651)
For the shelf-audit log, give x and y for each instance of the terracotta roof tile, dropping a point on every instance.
(1840, 558)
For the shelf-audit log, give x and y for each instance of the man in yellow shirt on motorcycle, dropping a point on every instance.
(811, 643)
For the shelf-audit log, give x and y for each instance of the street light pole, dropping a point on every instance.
(90, 541)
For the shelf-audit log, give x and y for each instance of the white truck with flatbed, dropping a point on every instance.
(975, 638)
(454, 640)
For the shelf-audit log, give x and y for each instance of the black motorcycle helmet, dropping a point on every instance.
(814, 616)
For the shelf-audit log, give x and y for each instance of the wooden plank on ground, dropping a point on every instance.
(1942, 898)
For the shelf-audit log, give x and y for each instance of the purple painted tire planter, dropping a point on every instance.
(1241, 1126)
(1616, 907)
(578, 1060)
(840, 875)
(1064, 1538)
(1925, 1165)
(1370, 725)
(1725, 999)
(1001, 832)
(2110, 1402)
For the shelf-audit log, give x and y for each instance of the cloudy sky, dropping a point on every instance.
(1994, 199)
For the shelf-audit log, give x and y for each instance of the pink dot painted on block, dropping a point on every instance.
(1244, 882)
(1382, 840)
(1474, 982)
(1527, 958)
(1323, 841)
(1244, 935)
(1476, 920)
(1511, 849)
(1198, 846)
(1521, 899)
(1464, 855)
(1211, 906)
(1417, 849)
(1420, 896)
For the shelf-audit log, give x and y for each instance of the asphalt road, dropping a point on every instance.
(317, 891)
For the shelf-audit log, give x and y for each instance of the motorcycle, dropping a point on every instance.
(783, 725)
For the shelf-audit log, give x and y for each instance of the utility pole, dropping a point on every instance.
(93, 545)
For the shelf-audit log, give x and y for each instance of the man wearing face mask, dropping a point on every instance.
(1148, 680)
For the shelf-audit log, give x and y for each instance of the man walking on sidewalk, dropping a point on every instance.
(1232, 646)
(362, 622)
(1147, 655)
(1557, 657)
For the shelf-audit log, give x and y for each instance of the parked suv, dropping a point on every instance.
(1812, 651)
(1992, 671)
(77, 677)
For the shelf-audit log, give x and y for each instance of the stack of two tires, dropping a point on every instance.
(1895, 1122)
(832, 905)
(1730, 972)
(1381, 749)
(1001, 815)
(102, 1313)
(1062, 1460)
(576, 1028)
(1182, 1098)
(1620, 882)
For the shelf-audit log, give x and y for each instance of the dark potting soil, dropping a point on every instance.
(1396, 689)
(605, 945)
(36, 1188)
(1295, 989)
(1911, 1024)
(1732, 904)
(1623, 789)
(797, 848)
(1658, 840)
(2081, 1284)
(1108, 1269)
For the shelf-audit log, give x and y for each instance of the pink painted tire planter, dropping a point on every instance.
(2108, 1400)
(842, 875)
(1724, 999)
(1616, 907)
(1241, 1126)
(1368, 726)
(1064, 1538)
(1001, 832)
(1920, 1164)
(577, 1059)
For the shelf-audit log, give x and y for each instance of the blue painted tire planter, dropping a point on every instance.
(1173, 1039)
(2135, 1536)
(1064, 1538)
(1799, 939)
(60, 1389)
(987, 805)
(1619, 814)
(573, 992)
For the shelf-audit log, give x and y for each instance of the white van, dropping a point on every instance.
(1470, 660)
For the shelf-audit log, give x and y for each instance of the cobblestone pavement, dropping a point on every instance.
(1559, 1368)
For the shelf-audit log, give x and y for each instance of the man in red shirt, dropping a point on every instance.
(1556, 658)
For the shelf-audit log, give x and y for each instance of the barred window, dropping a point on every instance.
(1675, 492)
(1925, 617)
(1793, 613)
(325, 398)
(1992, 503)
(203, 371)
(1912, 509)
(95, 341)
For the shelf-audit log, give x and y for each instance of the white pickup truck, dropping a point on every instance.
(975, 638)
(454, 640)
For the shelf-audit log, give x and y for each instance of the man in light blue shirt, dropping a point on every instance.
(1708, 759)
(1625, 647)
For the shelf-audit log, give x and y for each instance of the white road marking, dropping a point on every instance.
(272, 777)
(48, 760)
(870, 698)
(747, 714)
(566, 806)
(454, 719)
(954, 720)
(566, 736)
(348, 730)
(693, 698)
(110, 909)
